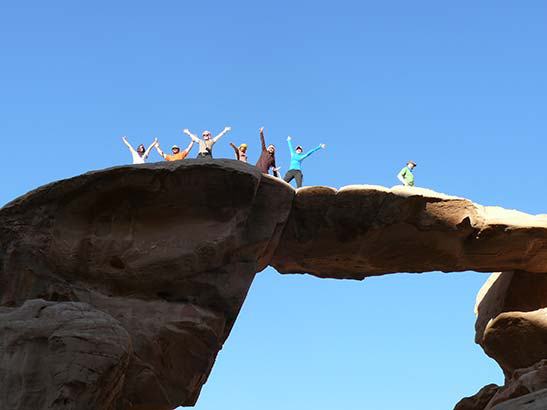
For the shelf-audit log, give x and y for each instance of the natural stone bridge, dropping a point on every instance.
(119, 287)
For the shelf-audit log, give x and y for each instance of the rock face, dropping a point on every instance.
(512, 329)
(162, 256)
(479, 400)
(118, 288)
(361, 231)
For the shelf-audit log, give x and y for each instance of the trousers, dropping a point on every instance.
(294, 174)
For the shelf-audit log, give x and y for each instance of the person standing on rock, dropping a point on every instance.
(406, 176)
(267, 157)
(206, 144)
(241, 152)
(140, 155)
(297, 156)
(177, 154)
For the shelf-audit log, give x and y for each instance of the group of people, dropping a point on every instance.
(265, 163)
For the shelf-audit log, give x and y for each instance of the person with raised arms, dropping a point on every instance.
(176, 153)
(297, 156)
(140, 155)
(206, 144)
(267, 157)
(241, 152)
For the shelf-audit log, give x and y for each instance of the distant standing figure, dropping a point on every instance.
(267, 157)
(140, 155)
(177, 154)
(241, 152)
(406, 176)
(206, 144)
(297, 156)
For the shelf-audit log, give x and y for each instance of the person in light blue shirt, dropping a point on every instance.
(297, 156)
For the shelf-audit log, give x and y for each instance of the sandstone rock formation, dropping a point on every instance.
(361, 231)
(161, 255)
(119, 287)
(512, 329)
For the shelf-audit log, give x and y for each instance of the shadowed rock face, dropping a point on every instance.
(360, 231)
(166, 252)
(150, 265)
(511, 327)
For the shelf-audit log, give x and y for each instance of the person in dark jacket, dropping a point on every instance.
(267, 157)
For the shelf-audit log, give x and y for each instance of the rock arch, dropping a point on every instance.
(163, 255)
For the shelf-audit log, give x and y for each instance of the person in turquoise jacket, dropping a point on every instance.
(297, 156)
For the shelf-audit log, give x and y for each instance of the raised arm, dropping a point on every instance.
(235, 149)
(192, 136)
(307, 154)
(124, 139)
(262, 141)
(224, 131)
(147, 152)
(162, 154)
(291, 149)
(189, 147)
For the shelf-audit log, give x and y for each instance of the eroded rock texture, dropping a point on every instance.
(119, 287)
(511, 327)
(163, 254)
(360, 231)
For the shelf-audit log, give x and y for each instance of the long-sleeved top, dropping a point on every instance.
(296, 158)
(137, 158)
(267, 159)
(407, 175)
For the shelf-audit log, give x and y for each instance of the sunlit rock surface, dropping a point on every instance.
(119, 287)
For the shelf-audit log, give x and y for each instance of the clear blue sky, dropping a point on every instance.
(460, 87)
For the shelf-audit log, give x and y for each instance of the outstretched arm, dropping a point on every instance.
(187, 132)
(262, 141)
(124, 139)
(235, 149)
(224, 131)
(291, 149)
(147, 152)
(189, 147)
(320, 146)
(162, 154)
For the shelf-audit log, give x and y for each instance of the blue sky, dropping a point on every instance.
(459, 87)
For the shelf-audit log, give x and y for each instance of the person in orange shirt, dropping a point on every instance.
(177, 154)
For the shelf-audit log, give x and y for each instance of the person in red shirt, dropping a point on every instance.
(177, 154)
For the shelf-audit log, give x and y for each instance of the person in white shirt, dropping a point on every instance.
(206, 144)
(140, 155)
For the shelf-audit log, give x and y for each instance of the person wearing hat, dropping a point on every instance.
(297, 156)
(267, 157)
(206, 144)
(241, 151)
(140, 155)
(177, 154)
(406, 176)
